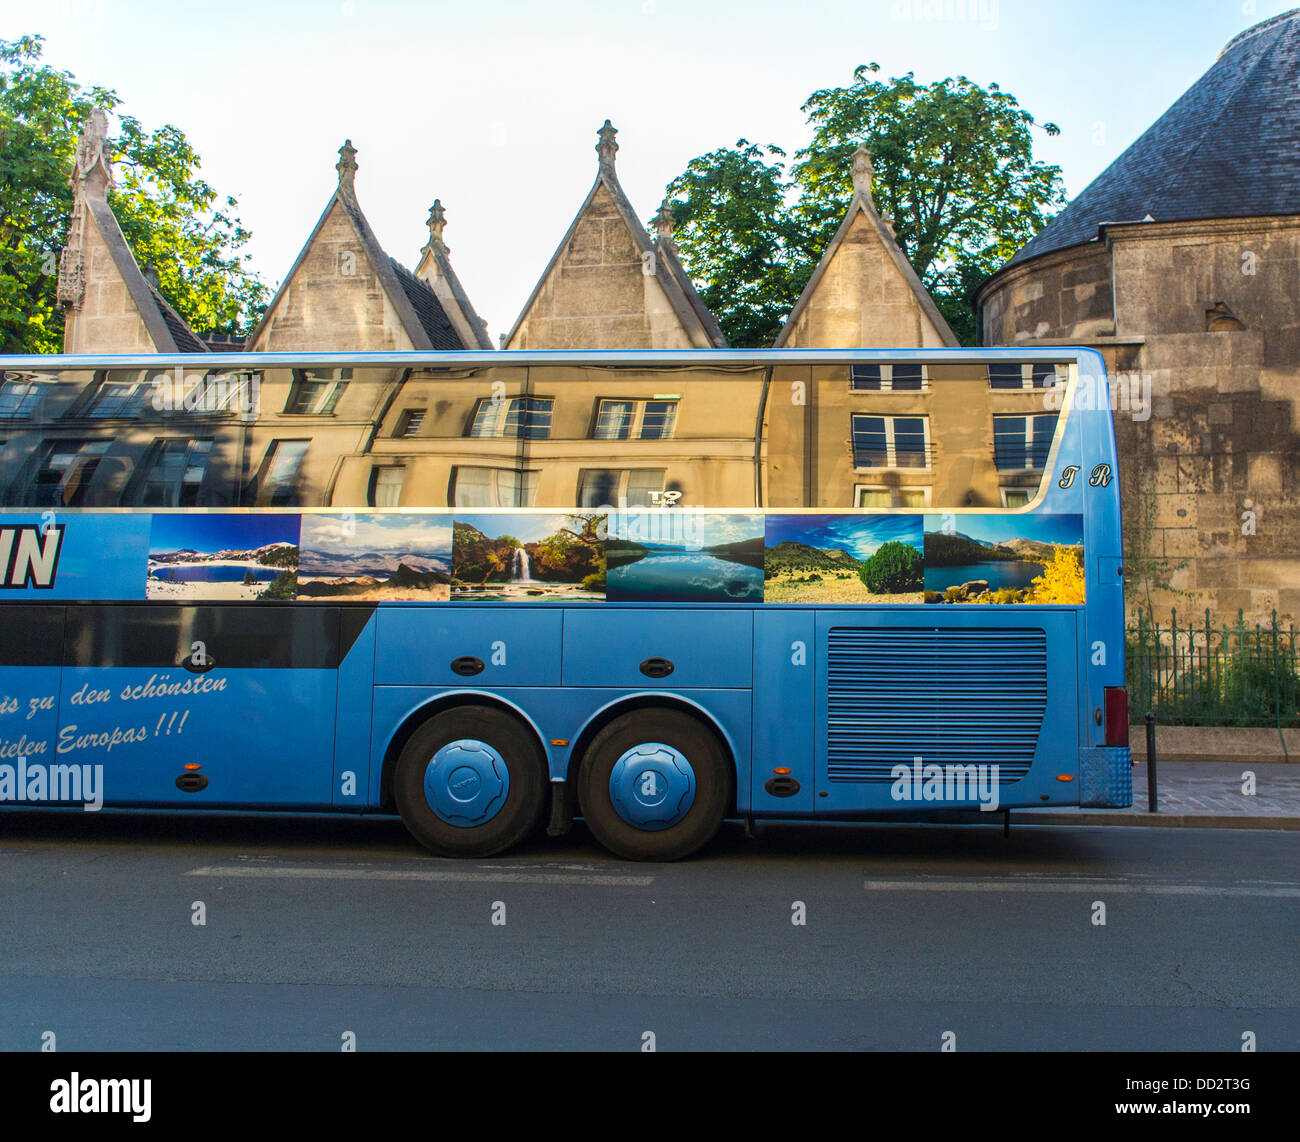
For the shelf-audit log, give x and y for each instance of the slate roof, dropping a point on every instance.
(1228, 148)
(187, 341)
(428, 309)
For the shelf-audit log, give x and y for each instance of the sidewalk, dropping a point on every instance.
(1196, 794)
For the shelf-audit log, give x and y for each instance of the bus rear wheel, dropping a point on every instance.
(470, 782)
(654, 785)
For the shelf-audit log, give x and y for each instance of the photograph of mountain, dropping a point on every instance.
(685, 557)
(220, 558)
(1004, 559)
(843, 559)
(529, 557)
(375, 557)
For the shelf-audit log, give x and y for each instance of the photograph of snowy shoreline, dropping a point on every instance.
(222, 558)
(375, 557)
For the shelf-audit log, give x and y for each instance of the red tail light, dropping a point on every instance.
(1116, 715)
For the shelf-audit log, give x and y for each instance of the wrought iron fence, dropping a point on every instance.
(1200, 674)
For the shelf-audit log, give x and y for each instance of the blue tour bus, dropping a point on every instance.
(489, 591)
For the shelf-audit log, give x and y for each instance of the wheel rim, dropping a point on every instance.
(652, 786)
(466, 783)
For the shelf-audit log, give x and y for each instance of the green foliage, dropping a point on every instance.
(894, 568)
(283, 586)
(169, 215)
(954, 168)
(249, 578)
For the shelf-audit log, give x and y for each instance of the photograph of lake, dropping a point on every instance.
(681, 556)
(220, 558)
(375, 558)
(978, 557)
(526, 557)
(843, 559)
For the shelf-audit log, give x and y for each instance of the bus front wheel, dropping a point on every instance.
(655, 785)
(470, 782)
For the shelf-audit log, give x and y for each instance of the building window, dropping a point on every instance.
(1026, 375)
(1017, 497)
(409, 421)
(891, 441)
(609, 487)
(120, 399)
(65, 472)
(527, 418)
(492, 488)
(892, 378)
(386, 485)
(868, 496)
(315, 392)
(1022, 442)
(18, 399)
(172, 474)
(277, 484)
(635, 419)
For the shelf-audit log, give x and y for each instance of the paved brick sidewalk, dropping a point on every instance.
(1197, 794)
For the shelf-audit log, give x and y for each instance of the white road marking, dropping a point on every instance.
(1078, 884)
(431, 875)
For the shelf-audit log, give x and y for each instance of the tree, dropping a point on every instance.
(168, 214)
(954, 168)
(738, 236)
(893, 568)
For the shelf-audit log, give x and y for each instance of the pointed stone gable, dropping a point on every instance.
(435, 269)
(608, 286)
(344, 294)
(109, 306)
(864, 292)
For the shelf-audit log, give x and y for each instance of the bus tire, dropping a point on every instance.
(470, 782)
(654, 785)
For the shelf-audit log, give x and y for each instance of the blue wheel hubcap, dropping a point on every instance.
(652, 786)
(466, 783)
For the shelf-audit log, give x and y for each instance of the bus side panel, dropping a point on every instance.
(31, 643)
(785, 675)
(355, 678)
(560, 713)
(983, 687)
(256, 715)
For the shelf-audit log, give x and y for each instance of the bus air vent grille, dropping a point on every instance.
(950, 695)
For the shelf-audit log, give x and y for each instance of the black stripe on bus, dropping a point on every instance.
(31, 634)
(232, 637)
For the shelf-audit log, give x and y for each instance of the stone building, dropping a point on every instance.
(345, 294)
(609, 286)
(110, 306)
(1181, 263)
(864, 291)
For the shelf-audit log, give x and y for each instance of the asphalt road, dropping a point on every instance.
(318, 927)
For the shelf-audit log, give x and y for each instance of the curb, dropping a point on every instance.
(1151, 820)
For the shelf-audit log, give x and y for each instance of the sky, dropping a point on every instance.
(1067, 529)
(860, 536)
(342, 535)
(209, 533)
(494, 106)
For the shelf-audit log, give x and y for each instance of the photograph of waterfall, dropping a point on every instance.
(523, 556)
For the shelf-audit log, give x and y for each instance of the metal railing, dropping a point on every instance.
(1202, 674)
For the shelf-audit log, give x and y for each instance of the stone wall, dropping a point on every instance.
(1208, 315)
(334, 300)
(107, 321)
(862, 299)
(597, 294)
